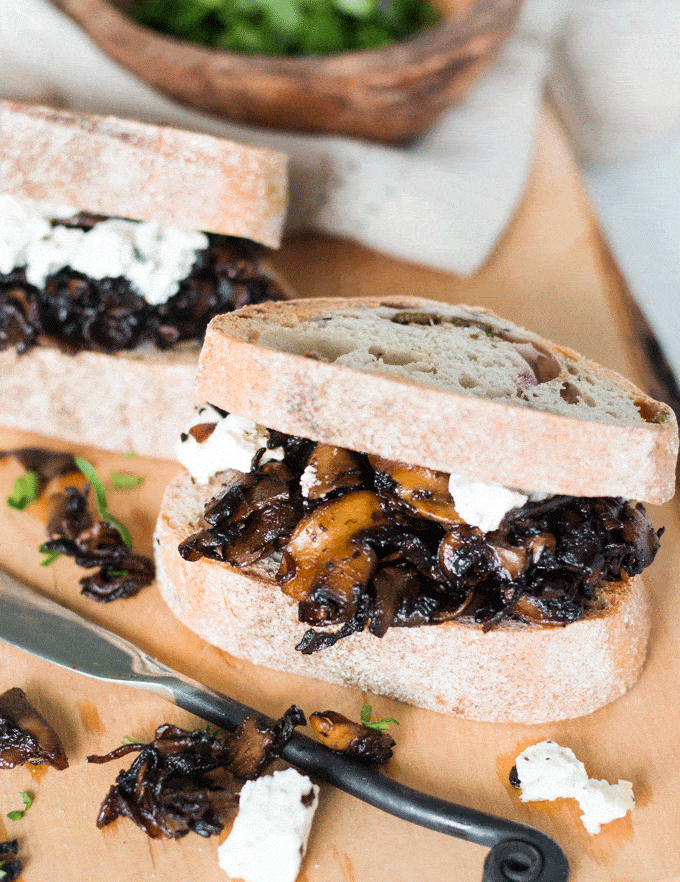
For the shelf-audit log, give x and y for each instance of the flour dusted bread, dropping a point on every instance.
(111, 166)
(517, 672)
(452, 388)
(124, 395)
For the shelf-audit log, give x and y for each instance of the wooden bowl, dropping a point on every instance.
(391, 94)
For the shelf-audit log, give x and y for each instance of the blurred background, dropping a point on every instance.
(424, 144)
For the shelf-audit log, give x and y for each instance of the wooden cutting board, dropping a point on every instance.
(550, 272)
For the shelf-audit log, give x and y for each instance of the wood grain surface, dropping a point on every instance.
(550, 272)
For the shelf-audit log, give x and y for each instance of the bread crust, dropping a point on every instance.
(515, 673)
(403, 420)
(136, 401)
(122, 168)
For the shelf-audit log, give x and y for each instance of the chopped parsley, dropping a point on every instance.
(19, 813)
(125, 481)
(100, 499)
(50, 556)
(288, 27)
(25, 491)
(377, 725)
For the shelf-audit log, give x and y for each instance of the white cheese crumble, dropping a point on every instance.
(484, 505)
(153, 257)
(232, 445)
(270, 833)
(548, 771)
(307, 480)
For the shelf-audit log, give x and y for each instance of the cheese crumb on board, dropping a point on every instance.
(270, 833)
(548, 771)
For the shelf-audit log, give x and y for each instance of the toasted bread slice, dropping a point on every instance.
(517, 672)
(453, 388)
(110, 166)
(135, 400)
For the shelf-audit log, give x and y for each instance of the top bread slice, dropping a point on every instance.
(452, 388)
(121, 168)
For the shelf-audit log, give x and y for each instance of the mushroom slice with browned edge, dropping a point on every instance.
(25, 735)
(422, 491)
(326, 561)
(329, 469)
(340, 733)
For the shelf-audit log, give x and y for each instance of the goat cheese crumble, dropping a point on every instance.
(270, 833)
(232, 444)
(484, 505)
(548, 771)
(155, 258)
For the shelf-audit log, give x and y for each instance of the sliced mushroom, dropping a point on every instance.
(465, 554)
(330, 468)
(512, 559)
(423, 491)
(270, 483)
(255, 743)
(391, 585)
(326, 552)
(70, 514)
(340, 733)
(535, 611)
(25, 735)
(263, 534)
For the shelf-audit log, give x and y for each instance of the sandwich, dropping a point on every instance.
(119, 242)
(420, 500)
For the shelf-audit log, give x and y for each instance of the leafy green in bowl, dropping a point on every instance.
(288, 27)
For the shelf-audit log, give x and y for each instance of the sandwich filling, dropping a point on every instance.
(83, 281)
(365, 542)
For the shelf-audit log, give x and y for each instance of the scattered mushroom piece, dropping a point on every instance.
(9, 869)
(48, 464)
(342, 734)
(170, 790)
(255, 744)
(25, 735)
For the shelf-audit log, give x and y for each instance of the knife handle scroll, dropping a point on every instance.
(40, 626)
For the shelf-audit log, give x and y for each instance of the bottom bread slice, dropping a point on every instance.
(134, 401)
(514, 673)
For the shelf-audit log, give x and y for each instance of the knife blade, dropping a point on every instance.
(38, 625)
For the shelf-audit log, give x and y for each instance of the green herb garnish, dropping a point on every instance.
(125, 481)
(127, 739)
(100, 499)
(288, 27)
(130, 454)
(378, 725)
(24, 491)
(19, 813)
(50, 556)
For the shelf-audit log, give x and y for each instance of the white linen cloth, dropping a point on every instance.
(614, 70)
